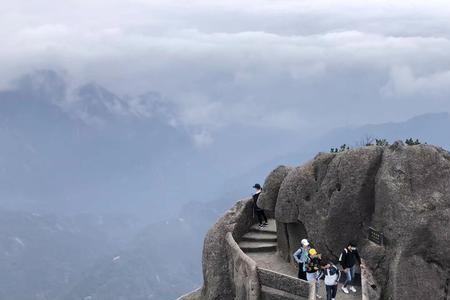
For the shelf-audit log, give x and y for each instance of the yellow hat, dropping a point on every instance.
(312, 251)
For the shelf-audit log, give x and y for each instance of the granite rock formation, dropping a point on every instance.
(268, 199)
(402, 191)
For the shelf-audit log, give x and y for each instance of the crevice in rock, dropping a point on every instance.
(447, 283)
(323, 174)
(338, 185)
(315, 171)
(286, 233)
(447, 286)
(330, 193)
(368, 189)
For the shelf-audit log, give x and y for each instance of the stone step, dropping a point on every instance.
(259, 236)
(258, 246)
(271, 228)
(268, 293)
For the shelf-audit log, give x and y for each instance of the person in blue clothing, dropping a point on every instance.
(301, 256)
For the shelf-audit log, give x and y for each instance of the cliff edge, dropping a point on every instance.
(402, 192)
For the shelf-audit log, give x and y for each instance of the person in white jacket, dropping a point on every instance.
(331, 275)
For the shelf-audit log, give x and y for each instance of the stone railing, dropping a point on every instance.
(287, 284)
(245, 275)
(250, 282)
(370, 290)
(248, 278)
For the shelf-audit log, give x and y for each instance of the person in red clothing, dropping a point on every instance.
(259, 211)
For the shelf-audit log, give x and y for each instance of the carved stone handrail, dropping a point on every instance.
(245, 272)
(284, 282)
(254, 277)
(248, 279)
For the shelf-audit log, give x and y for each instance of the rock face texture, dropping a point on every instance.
(268, 199)
(222, 272)
(402, 191)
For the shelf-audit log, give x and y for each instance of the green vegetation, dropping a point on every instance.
(342, 148)
(381, 142)
(411, 142)
(369, 141)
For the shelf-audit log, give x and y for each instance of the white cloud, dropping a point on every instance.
(272, 64)
(403, 82)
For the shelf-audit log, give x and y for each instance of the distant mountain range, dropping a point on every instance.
(174, 236)
(106, 197)
(92, 151)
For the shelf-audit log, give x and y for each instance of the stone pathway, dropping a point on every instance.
(261, 245)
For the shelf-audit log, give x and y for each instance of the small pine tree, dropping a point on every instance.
(381, 142)
(411, 142)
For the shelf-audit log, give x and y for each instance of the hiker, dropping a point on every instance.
(259, 211)
(348, 259)
(313, 267)
(301, 257)
(331, 275)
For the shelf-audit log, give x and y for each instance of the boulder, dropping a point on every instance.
(402, 191)
(412, 207)
(268, 197)
(218, 273)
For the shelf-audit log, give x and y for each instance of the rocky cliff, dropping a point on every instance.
(401, 191)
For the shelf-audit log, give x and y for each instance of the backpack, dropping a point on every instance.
(331, 275)
(303, 256)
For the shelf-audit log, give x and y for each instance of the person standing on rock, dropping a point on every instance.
(331, 275)
(259, 211)
(301, 256)
(348, 259)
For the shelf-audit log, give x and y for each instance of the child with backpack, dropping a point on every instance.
(331, 275)
(313, 267)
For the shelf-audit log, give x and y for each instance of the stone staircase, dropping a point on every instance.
(260, 239)
(278, 278)
(260, 243)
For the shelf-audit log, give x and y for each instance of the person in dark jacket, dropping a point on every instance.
(259, 211)
(331, 275)
(348, 259)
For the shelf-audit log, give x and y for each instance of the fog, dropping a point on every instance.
(128, 127)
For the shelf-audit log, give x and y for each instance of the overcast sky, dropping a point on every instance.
(297, 65)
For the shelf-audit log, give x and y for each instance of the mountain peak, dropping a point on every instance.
(46, 85)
